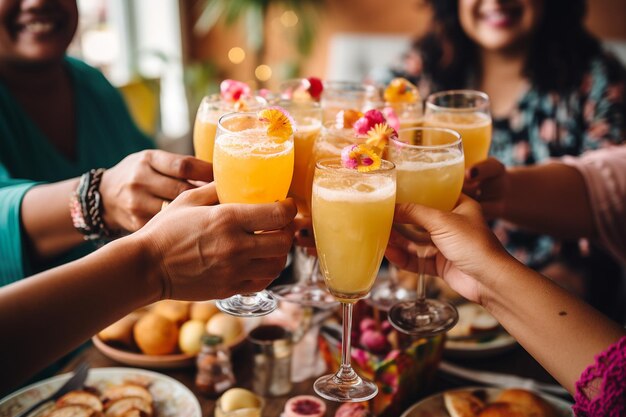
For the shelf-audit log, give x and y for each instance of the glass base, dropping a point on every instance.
(334, 388)
(248, 305)
(305, 295)
(385, 296)
(425, 318)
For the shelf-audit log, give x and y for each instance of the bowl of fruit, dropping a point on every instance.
(168, 334)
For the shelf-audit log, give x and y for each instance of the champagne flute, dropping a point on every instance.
(308, 117)
(352, 217)
(430, 173)
(467, 112)
(250, 167)
(210, 110)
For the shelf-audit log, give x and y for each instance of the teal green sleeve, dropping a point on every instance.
(12, 254)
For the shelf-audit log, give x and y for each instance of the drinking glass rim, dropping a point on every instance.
(457, 135)
(307, 105)
(216, 99)
(232, 114)
(359, 87)
(389, 166)
(431, 97)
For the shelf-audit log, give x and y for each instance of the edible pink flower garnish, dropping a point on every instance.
(392, 119)
(315, 88)
(360, 157)
(370, 119)
(232, 90)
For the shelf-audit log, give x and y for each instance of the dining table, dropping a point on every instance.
(515, 361)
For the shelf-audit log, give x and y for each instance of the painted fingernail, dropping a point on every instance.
(473, 172)
(304, 233)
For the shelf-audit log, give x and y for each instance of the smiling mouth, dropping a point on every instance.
(500, 17)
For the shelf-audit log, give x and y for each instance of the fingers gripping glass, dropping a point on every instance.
(430, 170)
(250, 167)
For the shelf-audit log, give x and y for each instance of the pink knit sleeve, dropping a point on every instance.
(604, 172)
(601, 389)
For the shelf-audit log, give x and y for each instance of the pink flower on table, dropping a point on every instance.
(232, 90)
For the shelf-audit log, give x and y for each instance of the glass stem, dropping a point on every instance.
(346, 373)
(312, 280)
(421, 279)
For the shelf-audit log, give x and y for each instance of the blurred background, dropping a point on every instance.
(164, 55)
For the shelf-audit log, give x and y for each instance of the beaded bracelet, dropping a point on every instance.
(86, 206)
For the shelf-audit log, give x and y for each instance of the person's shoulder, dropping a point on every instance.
(82, 70)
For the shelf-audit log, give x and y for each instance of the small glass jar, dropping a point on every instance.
(215, 371)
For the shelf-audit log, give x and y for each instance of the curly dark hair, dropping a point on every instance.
(560, 52)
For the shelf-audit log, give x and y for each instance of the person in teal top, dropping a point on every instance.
(59, 118)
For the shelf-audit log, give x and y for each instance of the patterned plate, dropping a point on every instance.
(171, 398)
(433, 406)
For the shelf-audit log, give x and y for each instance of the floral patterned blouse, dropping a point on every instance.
(549, 125)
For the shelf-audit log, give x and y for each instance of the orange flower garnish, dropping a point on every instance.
(400, 90)
(379, 136)
(280, 123)
(347, 118)
(360, 157)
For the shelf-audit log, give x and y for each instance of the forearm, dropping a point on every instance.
(47, 315)
(560, 331)
(550, 198)
(46, 219)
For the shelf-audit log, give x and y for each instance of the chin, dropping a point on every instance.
(36, 57)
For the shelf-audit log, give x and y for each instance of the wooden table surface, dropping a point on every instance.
(516, 361)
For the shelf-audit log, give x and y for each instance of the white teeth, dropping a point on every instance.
(39, 27)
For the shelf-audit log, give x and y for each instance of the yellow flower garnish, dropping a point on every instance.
(360, 157)
(378, 136)
(400, 90)
(280, 123)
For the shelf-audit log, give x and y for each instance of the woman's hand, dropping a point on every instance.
(133, 191)
(488, 182)
(209, 251)
(467, 248)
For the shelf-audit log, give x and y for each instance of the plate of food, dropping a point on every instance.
(490, 402)
(477, 334)
(114, 392)
(168, 334)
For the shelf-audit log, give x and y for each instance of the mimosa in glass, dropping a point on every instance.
(467, 112)
(250, 166)
(429, 174)
(352, 218)
(210, 110)
(308, 291)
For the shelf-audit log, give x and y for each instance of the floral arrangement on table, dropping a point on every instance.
(403, 367)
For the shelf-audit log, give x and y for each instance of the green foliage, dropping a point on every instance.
(254, 13)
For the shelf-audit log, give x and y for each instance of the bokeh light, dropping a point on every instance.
(236, 55)
(289, 18)
(263, 72)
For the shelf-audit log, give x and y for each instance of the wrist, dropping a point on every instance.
(149, 260)
(498, 271)
(108, 201)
